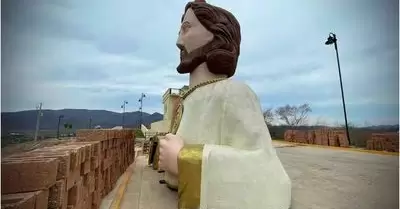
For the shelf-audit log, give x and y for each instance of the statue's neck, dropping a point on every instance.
(202, 74)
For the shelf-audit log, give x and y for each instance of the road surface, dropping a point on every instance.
(321, 179)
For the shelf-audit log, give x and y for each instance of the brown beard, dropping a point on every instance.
(190, 61)
(220, 58)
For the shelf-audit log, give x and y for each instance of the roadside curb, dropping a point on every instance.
(116, 202)
(351, 149)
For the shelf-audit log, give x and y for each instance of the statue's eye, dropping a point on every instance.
(185, 26)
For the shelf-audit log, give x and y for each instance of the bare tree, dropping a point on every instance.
(268, 116)
(293, 115)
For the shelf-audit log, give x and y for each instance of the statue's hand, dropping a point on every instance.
(169, 150)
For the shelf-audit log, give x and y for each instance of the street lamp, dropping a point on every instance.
(141, 108)
(58, 126)
(123, 112)
(333, 40)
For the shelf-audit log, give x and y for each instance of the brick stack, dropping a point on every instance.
(326, 137)
(384, 141)
(73, 175)
(288, 135)
(339, 138)
(333, 139)
(300, 136)
(117, 154)
(321, 136)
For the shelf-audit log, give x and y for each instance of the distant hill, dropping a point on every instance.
(79, 118)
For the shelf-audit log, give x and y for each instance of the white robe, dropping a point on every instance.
(240, 167)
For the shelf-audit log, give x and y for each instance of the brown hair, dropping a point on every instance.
(222, 53)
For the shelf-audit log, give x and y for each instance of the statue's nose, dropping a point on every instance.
(179, 43)
(180, 46)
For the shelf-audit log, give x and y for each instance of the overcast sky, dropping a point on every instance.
(95, 54)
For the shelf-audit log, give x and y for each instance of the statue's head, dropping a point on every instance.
(208, 34)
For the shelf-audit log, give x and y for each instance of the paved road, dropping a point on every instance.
(325, 178)
(322, 178)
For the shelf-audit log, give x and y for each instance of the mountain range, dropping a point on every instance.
(79, 118)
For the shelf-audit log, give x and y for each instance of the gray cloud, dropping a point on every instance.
(95, 53)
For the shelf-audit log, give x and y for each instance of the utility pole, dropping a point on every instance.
(141, 109)
(58, 126)
(90, 123)
(39, 114)
(123, 112)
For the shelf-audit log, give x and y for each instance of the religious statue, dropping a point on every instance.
(219, 153)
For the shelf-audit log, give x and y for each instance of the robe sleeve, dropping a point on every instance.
(243, 171)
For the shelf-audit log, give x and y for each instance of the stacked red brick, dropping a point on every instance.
(73, 175)
(384, 141)
(326, 137)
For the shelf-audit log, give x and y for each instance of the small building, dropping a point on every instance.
(170, 100)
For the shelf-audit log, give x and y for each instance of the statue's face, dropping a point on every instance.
(192, 34)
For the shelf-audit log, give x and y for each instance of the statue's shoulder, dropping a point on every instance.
(234, 88)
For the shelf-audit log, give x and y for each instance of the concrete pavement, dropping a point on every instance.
(143, 190)
(321, 178)
(326, 178)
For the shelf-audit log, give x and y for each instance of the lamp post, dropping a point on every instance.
(333, 40)
(123, 112)
(58, 126)
(141, 109)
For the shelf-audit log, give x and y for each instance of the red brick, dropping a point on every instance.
(96, 200)
(42, 199)
(106, 163)
(20, 201)
(73, 151)
(65, 202)
(109, 143)
(73, 178)
(87, 148)
(85, 167)
(94, 162)
(96, 148)
(57, 193)
(30, 200)
(64, 159)
(75, 194)
(28, 175)
(81, 149)
(89, 181)
(89, 201)
(85, 192)
(98, 177)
